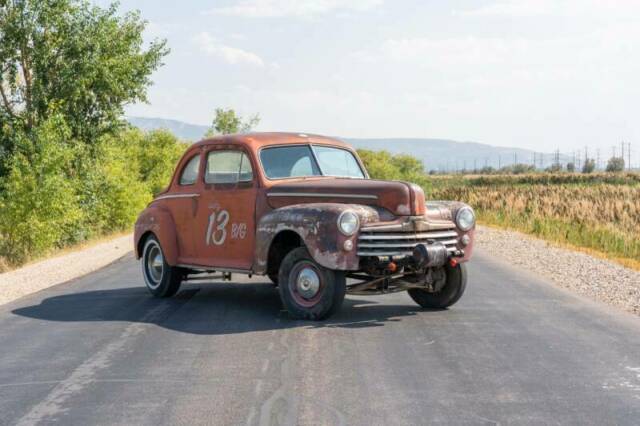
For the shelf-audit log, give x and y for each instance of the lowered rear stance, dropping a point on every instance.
(301, 210)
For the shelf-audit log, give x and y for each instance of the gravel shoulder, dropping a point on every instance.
(598, 279)
(56, 270)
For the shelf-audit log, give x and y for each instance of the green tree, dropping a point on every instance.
(38, 205)
(379, 164)
(615, 164)
(226, 122)
(589, 166)
(121, 193)
(554, 168)
(383, 165)
(159, 151)
(571, 167)
(68, 56)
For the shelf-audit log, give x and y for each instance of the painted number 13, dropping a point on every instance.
(216, 232)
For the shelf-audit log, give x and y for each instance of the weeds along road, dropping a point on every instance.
(100, 350)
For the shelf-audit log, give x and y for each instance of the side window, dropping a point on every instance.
(190, 172)
(228, 167)
(246, 171)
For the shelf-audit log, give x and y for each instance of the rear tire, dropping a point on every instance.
(307, 289)
(161, 279)
(448, 295)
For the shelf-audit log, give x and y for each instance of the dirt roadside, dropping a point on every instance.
(59, 269)
(598, 279)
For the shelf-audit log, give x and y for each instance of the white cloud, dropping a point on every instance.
(574, 54)
(572, 8)
(231, 55)
(294, 8)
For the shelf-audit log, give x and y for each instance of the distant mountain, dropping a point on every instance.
(193, 132)
(438, 154)
(444, 154)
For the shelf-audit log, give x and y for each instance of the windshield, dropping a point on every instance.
(305, 160)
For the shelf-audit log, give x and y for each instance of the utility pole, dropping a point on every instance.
(499, 162)
(629, 154)
(597, 158)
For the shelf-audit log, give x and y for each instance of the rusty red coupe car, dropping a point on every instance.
(302, 210)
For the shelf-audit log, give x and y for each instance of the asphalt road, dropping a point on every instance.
(515, 349)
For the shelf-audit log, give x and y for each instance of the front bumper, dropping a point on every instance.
(399, 239)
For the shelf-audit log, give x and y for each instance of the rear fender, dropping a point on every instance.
(159, 222)
(317, 226)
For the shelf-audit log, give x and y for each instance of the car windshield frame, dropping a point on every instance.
(314, 158)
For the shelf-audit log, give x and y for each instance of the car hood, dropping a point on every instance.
(399, 198)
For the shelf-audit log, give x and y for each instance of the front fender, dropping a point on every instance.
(317, 226)
(160, 222)
(447, 210)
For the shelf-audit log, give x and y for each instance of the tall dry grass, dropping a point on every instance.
(598, 212)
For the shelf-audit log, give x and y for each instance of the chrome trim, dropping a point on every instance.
(164, 197)
(383, 244)
(408, 236)
(400, 245)
(321, 195)
(394, 253)
(398, 226)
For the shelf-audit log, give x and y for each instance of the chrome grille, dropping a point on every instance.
(376, 243)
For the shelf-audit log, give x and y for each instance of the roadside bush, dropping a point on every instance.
(386, 166)
(39, 204)
(120, 193)
(159, 151)
(58, 192)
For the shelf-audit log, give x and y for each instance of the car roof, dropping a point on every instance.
(257, 140)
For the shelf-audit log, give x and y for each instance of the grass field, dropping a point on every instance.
(598, 213)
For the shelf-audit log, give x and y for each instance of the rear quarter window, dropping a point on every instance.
(189, 173)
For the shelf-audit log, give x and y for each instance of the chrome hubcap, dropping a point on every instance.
(155, 264)
(307, 283)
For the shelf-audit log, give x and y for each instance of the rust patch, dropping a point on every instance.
(317, 226)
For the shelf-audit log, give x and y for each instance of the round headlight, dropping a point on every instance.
(348, 222)
(465, 219)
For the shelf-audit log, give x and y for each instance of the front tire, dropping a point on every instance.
(448, 295)
(307, 289)
(161, 279)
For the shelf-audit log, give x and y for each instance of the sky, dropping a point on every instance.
(540, 74)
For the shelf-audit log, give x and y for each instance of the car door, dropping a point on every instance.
(183, 202)
(226, 212)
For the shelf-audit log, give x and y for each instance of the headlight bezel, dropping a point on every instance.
(340, 221)
(459, 214)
